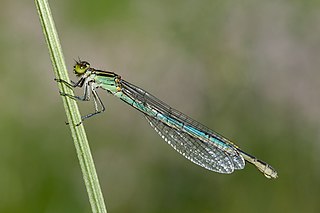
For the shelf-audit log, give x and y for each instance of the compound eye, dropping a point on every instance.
(81, 67)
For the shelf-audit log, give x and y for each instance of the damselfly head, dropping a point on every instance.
(81, 67)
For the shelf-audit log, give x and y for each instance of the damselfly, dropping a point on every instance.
(190, 138)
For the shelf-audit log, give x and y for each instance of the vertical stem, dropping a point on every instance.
(73, 115)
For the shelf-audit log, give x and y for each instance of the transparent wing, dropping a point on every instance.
(151, 103)
(199, 152)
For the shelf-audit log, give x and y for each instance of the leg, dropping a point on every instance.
(88, 87)
(97, 103)
(72, 84)
(86, 92)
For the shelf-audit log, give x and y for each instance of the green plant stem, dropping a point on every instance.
(73, 115)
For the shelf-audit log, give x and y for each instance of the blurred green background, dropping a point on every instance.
(247, 69)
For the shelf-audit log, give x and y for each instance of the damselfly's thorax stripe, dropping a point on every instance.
(103, 73)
